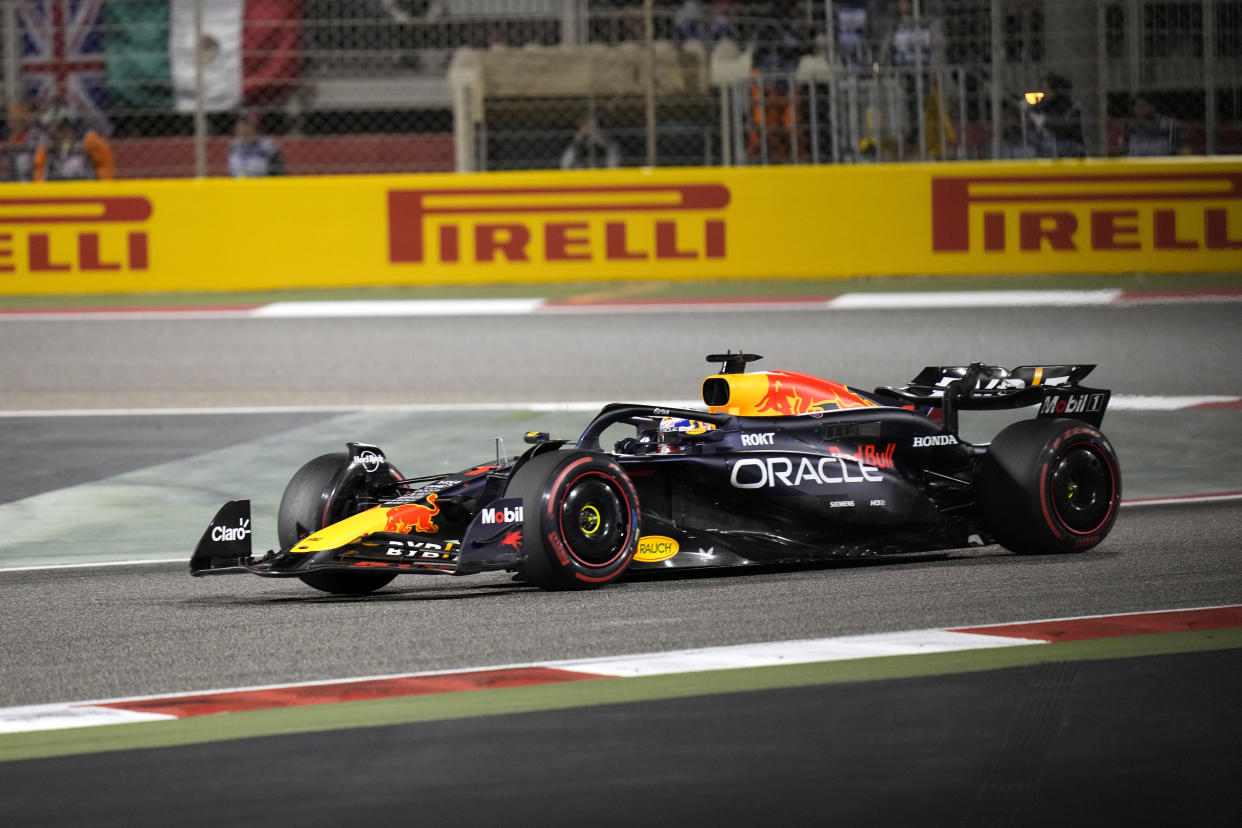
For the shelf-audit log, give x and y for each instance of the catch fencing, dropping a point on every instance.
(390, 86)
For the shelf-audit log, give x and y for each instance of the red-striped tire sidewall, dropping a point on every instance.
(551, 562)
(1016, 500)
(1065, 535)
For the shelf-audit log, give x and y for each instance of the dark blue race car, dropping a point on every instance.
(779, 467)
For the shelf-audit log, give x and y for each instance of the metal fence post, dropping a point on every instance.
(1209, 77)
(794, 120)
(920, 105)
(1134, 44)
(571, 22)
(960, 85)
(995, 12)
(942, 115)
(649, 38)
(812, 96)
(830, 32)
(12, 52)
(763, 122)
(200, 113)
(739, 118)
(1102, 77)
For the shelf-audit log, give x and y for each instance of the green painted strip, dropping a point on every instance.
(588, 693)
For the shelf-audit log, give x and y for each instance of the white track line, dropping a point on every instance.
(898, 300)
(974, 299)
(765, 304)
(730, 657)
(1177, 500)
(1141, 402)
(767, 654)
(46, 567)
(413, 307)
(770, 654)
(61, 716)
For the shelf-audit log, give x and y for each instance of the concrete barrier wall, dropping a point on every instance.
(1176, 215)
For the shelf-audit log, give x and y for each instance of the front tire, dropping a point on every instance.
(310, 503)
(1050, 486)
(581, 519)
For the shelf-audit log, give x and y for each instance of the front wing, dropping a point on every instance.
(490, 542)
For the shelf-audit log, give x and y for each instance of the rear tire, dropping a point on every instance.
(581, 519)
(1050, 486)
(309, 504)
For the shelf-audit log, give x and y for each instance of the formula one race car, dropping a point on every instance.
(781, 467)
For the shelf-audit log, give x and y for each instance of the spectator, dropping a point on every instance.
(913, 41)
(71, 153)
(252, 155)
(615, 21)
(779, 44)
(854, 47)
(781, 41)
(1057, 121)
(1014, 143)
(591, 148)
(1148, 133)
(710, 27)
(689, 21)
(22, 143)
(914, 48)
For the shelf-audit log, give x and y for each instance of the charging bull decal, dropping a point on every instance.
(783, 397)
(414, 516)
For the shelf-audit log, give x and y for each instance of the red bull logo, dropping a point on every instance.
(414, 517)
(880, 458)
(790, 394)
(782, 399)
(97, 243)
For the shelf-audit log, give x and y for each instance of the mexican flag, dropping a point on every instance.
(250, 51)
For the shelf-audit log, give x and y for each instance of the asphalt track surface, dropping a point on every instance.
(1164, 349)
(96, 633)
(113, 632)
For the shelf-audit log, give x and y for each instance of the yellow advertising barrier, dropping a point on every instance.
(1176, 215)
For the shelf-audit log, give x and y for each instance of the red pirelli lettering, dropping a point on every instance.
(1164, 225)
(1110, 229)
(1055, 227)
(410, 212)
(1107, 227)
(616, 245)
(95, 247)
(83, 210)
(566, 241)
(507, 239)
(1216, 227)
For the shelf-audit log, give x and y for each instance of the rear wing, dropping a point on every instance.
(1054, 388)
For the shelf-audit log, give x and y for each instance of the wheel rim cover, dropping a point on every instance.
(1083, 489)
(593, 518)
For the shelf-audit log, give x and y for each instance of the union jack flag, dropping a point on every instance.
(63, 56)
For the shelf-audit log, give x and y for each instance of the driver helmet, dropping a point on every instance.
(677, 425)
